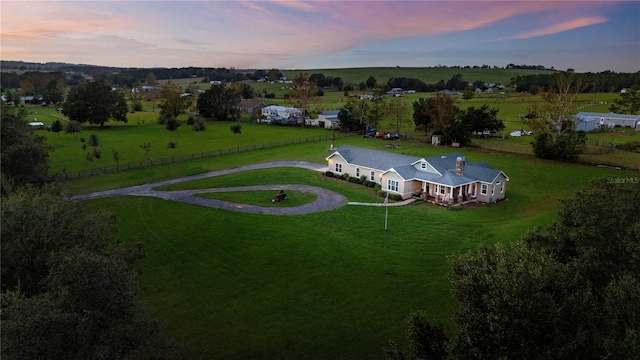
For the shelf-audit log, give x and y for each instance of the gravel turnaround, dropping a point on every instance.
(327, 200)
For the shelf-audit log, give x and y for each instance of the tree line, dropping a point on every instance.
(69, 288)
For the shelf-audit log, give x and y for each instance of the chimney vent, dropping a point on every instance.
(460, 166)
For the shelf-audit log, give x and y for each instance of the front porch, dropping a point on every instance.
(446, 196)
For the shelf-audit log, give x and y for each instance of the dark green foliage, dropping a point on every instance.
(37, 223)
(172, 124)
(352, 115)
(427, 340)
(56, 127)
(93, 140)
(199, 125)
(95, 102)
(236, 129)
(328, 174)
(570, 293)
(219, 103)
(628, 102)
(565, 146)
(171, 144)
(24, 158)
(73, 127)
(116, 156)
(482, 119)
(64, 277)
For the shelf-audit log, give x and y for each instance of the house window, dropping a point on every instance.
(392, 185)
(473, 190)
(442, 189)
(357, 172)
(483, 189)
(338, 168)
(501, 184)
(373, 176)
(493, 189)
(423, 166)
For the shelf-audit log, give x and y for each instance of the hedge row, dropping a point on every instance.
(364, 181)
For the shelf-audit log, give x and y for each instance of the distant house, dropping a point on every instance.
(445, 180)
(589, 121)
(249, 106)
(327, 119)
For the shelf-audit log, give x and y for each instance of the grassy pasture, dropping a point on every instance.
(315, 286)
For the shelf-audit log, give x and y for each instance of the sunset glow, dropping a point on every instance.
(324, 34)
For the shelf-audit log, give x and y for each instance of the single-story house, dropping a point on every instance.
(594, 120)
(327, 119)
(446, 180)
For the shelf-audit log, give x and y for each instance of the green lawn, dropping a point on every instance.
(262, 198)
(316, 286)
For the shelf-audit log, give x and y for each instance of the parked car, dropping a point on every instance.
(370, 133)
(392, 136)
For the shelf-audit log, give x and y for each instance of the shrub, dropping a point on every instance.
(328, 174)
(354, 180)
(345, 176)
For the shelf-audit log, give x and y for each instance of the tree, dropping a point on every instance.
(24, 158)
(536, 299)
(468, 93)
(628, 102)
(172, 103)
(65, 277)
(236, 129)
(427, 340)
(376, 109)
(172, 124)
(553, 120)
(219, 102)
(436, 113)
(147, 148)
(135, 96)
(73, 127)
(96, 103)
(399, 111)
(56, 126)
(303, 95)
(482, 120)
(370, 82)
(351, 116)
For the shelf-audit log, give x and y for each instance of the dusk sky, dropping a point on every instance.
(589, 36)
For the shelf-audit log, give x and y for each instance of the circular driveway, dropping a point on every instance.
(327, 200)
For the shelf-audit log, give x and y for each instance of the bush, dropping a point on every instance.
(354, 180)
(328, 174)
(345, 176)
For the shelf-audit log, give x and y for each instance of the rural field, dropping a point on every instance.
(333, 284)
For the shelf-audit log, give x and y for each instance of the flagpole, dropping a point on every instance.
(386, 211)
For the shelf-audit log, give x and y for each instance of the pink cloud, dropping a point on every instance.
(563, 26)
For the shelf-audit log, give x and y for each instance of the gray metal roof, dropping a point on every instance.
(402, 164)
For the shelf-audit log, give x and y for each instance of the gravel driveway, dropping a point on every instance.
(327, 200)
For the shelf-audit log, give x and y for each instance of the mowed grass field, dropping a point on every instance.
(333, 284)
(326, 285)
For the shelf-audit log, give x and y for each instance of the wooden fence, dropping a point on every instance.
(180, 158)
